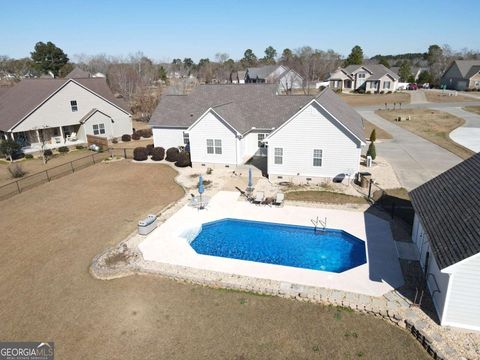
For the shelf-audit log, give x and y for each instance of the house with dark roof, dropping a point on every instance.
(446, 231)
(302, 138)
(371, 78)
(49, 113)
(462, 75)
(286, 78)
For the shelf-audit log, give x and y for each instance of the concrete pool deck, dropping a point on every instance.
(169, 244)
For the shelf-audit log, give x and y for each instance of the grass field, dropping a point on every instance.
(375, 99)
(444, 97)
(474, 109)
(50, 235)
(327, 197)
(381, 134)
(432, 125)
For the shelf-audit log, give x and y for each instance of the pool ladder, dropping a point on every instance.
(317, 223)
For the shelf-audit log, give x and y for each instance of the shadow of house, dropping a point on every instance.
(259, 162)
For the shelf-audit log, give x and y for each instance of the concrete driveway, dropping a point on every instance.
(414, 159)
(467, 135)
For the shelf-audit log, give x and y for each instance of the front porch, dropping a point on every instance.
(47, 138)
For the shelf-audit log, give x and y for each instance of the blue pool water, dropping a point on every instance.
(289, 245)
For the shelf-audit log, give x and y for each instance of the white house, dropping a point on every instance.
(48, 113)
(286, 78)
(447, 234)
(370, 78)
(303, 138)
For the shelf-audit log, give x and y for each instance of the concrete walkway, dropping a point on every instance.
(467, 135)
(414, 159)
(418, 97)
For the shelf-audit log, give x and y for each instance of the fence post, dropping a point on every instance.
(48, 177)
(125, 152)
(93, 158)
(71, 165)
(370, 189)
(18, 187)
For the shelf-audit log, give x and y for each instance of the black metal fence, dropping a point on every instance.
(30, 181)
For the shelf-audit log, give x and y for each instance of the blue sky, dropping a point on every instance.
(168, 29)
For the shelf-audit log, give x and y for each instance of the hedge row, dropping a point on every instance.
(181, 159)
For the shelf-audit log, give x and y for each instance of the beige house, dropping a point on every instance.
(373, 78)
(462, 75)
(49, 113)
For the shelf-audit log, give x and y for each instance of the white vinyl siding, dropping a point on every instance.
(309, 130)
(168, 137)
(226, 150)
(278, 156)
(317, 157)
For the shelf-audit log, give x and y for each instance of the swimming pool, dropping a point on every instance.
(289, 245)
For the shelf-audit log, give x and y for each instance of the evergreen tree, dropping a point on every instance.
(405, 71)
(48, 57)
(373, 135)
(355, 57)
(372, 152)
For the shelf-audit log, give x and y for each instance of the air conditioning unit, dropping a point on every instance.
(369, 161)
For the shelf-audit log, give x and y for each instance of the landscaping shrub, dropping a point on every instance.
(16, 171)
(47, 152)
(126, 137)
(183, 159)
(372, 151)
(63, 149)
(158, 154)
(114, 141)
(79, 147)
(146, 133)
(140, 154)
(135, 136)
(172, 154)
(150, 148)
(28, 156)
(373, 135)
(389, 92)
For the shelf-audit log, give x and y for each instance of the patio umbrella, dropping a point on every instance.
(250, 180)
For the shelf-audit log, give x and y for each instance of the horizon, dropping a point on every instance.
(212, 28)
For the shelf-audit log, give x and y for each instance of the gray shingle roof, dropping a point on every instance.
(247, 106)
(78, 73)
(465, 65)
(449, 209)
(25, 96)
(473, 70)
(377, 70)
(261, 72)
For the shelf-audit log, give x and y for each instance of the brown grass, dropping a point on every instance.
(327, 197)
(381, 134)
(443, 97)
(375, 99)
(50, 235)
(432, 125)
(474, 109)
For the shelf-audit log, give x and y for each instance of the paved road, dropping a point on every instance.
(467, 135)
(414, 159)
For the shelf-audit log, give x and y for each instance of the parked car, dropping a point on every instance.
(412, 86)
(426, 86)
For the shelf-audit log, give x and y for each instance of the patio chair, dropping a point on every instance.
(259, 197)
(279, 198)
(72, 136)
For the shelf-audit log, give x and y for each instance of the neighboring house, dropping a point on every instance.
(370, 78)
(414, 71)
(446, 231)
(462, 75)
(303, 138)
(78, 73)
(238, 77)
(50, 113)
(287, 78)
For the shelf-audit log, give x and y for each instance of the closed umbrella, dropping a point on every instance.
(201, 189)
(250, 180)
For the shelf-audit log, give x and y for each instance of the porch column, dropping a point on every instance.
(11, 135)
(5, 136)
(38, 135)
(61, 134)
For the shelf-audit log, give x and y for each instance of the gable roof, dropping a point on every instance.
(78, 73)
(248, 106)
(448, 206)
(464, 66)
(261, 72)
(376, 71)
(28, 94)
(473, 70)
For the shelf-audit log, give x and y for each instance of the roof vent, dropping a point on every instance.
(191, 114)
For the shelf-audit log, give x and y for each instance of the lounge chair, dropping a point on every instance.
(259, 197)
(72, 136)
(279, 199)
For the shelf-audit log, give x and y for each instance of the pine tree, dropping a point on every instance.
(373, 136)
(372, 152)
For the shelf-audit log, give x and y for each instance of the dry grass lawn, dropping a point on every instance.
(326, 197)
(474, 109)
(50, 235)
(432, 125)
(443, 97)
(381, 134)
(375, 99)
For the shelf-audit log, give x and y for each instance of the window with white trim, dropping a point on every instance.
(386, 84)
(73, 105)
(361, 76)
(278, 156)
(373, 84)
(317, 157)
(98, 129)
(209, 146)
(260, 138)
(186, 138)
(218, 146)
